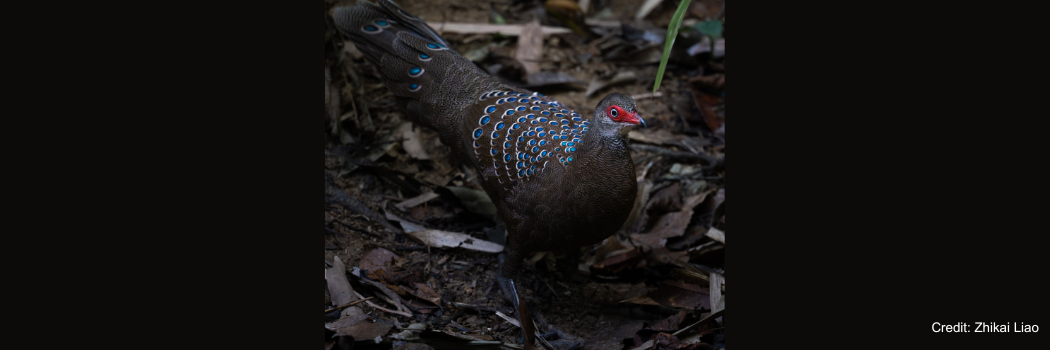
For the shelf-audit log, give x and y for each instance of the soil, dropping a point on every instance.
(581, 294)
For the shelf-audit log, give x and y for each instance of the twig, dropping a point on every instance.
(700, 323)
(503, 29)
(712, 163)
(377, 307)
(515, 322)
(335, 195)
(410, 248)
(347, 225)
(347, 305)
(478, 307)
(556, 296)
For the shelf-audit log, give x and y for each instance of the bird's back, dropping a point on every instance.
(538, 160)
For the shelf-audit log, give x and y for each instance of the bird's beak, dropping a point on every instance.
(636, 120)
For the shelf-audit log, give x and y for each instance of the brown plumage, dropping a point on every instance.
(559, 179)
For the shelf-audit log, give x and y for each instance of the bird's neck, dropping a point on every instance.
(597, 149)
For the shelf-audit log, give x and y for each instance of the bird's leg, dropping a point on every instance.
(508, 277)
(564, 340)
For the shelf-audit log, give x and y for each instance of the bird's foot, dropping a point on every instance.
(510, 292)
(554, 339)
(560, 340)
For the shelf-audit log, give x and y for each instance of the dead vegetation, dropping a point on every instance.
(411, 240)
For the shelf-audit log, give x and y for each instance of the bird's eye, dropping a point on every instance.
(616, 113)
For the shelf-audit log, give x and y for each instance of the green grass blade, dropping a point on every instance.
(672, 33)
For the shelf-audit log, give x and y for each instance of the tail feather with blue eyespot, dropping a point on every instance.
(411, 56)
(437, 86)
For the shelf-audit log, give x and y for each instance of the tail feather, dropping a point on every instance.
(413, 22)
(409, 54)
(433, 83)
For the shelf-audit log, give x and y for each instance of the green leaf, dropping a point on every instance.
(713, 28)
(494, 16)
(672, 33)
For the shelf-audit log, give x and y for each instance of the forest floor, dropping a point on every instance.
(658, 283)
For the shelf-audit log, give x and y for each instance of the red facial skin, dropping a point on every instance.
(621, 116)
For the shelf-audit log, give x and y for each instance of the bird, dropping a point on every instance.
(559, 179)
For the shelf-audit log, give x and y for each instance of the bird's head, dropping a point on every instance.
(615, 113)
